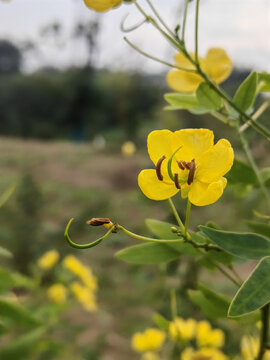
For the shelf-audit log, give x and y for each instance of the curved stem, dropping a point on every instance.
(85, 246)
(184, 20)
(255, 116)
(264, 331)
(155, 58)
(144, 238)
(176, 215)
(187, 217)
(159, 17)
(197, 31)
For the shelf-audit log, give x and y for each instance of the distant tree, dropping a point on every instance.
(10, 58)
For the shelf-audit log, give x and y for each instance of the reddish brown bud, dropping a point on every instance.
(158, 168)
(98, 221)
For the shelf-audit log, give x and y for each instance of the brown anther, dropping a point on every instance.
(176, 181)
(187, 165)
(180, 164)
(158, 168)
(191, 172)
(98, 221)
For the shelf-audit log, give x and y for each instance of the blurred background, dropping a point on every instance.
(72, 94)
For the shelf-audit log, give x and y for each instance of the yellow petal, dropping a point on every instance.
(153, 188)
(215, 162)
(202, 194)
(183, 81)
(101, 5)
(183, 62)
(194, 143)
(218, 65)
(159, 143)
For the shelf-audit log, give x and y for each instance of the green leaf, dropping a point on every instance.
(264, 82)
(161, 322)
(21, 347)
(162, 230)
(213, 305)
(17, 314)
(265, 173)
(254, 292)
(9, 280)
(246, 93)
(6, 195)
(260, 228)
(207, 97)
(150, 253)
(241, 173)
(244, 245)
(182, 101)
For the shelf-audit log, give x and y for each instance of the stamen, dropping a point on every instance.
(176, 181)
(191, 172)
(180, 164)
(98, 221)
(158, 168)
(187, 165)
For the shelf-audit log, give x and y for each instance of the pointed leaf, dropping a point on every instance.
(264, 80)
(161, 322)
(150, 253)
(207, 97)
(255, 291)
(182, 101)
(246, 93)
(17, 314)
(260, 228)
(241, 173)
(244, 245)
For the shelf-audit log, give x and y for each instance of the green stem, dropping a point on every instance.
(84, 246)
(187, 217)
(255, 116)
(176, 215)
(253, 164)
(184, 20)
(155, 58)
(159, 17)
(264, 331)
(173, 303)
(197, 31)
(145, 238)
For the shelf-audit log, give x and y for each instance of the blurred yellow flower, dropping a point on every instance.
(102, 5)
(57, 293)
(48, 260)
(208, 337)
(250, 348)
(83, 272)
(197, 166)
(217, 65)
(180, 329)
(203, 354)
(84, 296)
(149, 340)
(150, 356)
(128, 149)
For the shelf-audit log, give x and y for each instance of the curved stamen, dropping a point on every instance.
(158, 168)
(187, 165)
(176, 181)
(191, 172)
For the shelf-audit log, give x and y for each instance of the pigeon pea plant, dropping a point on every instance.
(188, 162)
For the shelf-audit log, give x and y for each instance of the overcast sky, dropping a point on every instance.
(240, 27)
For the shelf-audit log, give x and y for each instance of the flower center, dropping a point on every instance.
(183, 165)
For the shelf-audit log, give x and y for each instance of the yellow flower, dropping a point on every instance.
(207, 337)
(128, 148)
(102, 5)
(57, 293)
(197, 167)
(181, 329)
(217, 65)
(74, 265)
(84, 296)
(203, 354)
(48, 260)
(150, 356)
(149, 340)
